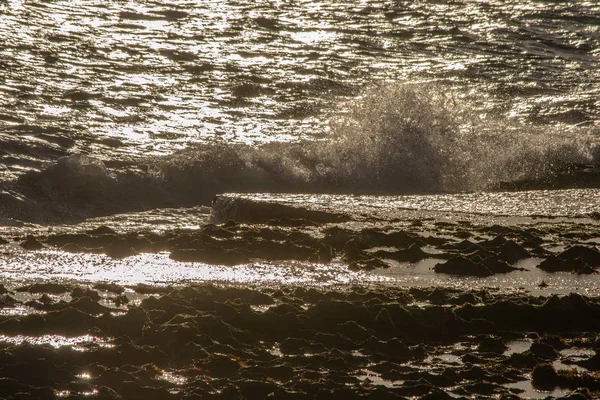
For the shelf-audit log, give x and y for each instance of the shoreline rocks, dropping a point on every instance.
(207, 341)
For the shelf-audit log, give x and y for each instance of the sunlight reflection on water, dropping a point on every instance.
(57, 341)
(158, 269)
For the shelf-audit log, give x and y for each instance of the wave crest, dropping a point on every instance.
(410, 138)
(394, 139)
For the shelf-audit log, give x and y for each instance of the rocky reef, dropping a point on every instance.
(216, 342)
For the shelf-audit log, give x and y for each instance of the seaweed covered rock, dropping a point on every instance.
(411, 254)
(462, 266)
(589, 255)
(577, 259)
(556, 263)
(492, 345)
(32, 244)
(119, 249)
(210, 255)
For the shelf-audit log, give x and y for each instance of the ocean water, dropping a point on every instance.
(110, 107)
(137, 114)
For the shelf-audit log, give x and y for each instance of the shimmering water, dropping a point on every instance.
(501, 91)
(157, 75)
(136, 114)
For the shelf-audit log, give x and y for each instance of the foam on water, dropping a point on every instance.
(395, 139)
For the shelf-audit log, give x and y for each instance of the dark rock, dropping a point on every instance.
(555, 264)
(589, 255)
(74, 248)
(439, 296)
(109, 287)
(80, 292)
(484, 388)
(413, 254)
(119, 249)
(102, 230)
(491, 345)
(106, 393)
(498, 266)
(579, 394)
(462, 246)
(354, 251)
(495, 242)
(291, 222)
(254, 389)
(543, 351)
(220, 365)
(544, 376)
(143, 288)
(522, 360)
(354, 331)
(69, 321)
(32, 244)
(367, 265)
(52, 288)
(592, 363)
(83, 240)
(334, 341)
(88, 306)
(511, 252)
(133, 390)
(300, 346)
(437, 394)
(46, 300)
(7, 301)
(121, 300)
(462, 266)
(211, 255)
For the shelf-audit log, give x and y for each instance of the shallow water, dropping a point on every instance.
(410, 116)
(530, 392)
(427, 217)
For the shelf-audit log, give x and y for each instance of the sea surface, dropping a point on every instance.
(136, 114)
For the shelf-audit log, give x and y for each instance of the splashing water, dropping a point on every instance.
(411, 138)
(399, 139)
(394, 139)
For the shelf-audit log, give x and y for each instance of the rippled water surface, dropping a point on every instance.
(138, 113)
(123, 80)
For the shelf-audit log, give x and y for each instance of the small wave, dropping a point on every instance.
(394, 139)
(399, 139)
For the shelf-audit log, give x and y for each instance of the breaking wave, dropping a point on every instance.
(394, 139)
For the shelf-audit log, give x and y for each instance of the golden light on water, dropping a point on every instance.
(57, 341)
